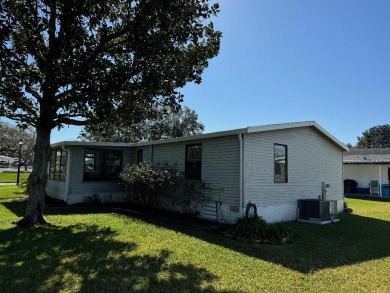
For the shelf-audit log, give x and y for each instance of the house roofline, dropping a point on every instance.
(194, 137)
(89, 143)
(253, 129)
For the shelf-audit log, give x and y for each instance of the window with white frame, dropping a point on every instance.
(280, 163)
(57, 169)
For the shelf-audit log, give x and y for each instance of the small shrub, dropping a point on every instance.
(146, 183)
(255, 228)
(252, 227)
(187, 198)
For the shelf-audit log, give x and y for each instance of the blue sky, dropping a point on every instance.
(284, 61)
(288, 61)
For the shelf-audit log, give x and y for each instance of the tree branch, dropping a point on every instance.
(30, 90)
(66, 120)
(22, 118)
(28, 108)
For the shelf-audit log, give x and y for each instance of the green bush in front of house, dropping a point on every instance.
(161, 186)
(255, 228)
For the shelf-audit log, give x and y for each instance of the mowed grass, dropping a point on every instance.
(11, 191)
(97, 250)
(10, 177)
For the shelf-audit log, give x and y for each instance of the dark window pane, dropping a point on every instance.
(193, 164)
(139, 156)
(102, 165)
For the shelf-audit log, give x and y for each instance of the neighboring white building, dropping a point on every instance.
(271, 166)
(6, 160)
(366, 165)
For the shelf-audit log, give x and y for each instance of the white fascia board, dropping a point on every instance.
(91, 144)
(147, 143)
(280, 126)
(194, 137)
(271, 127)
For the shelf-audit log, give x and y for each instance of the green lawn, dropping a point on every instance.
(11, 191)
(95, 250)
(10, 177)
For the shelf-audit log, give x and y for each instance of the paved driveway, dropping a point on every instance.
(14, 169)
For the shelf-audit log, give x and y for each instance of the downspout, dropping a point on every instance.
(380, 180)
(342, 174)
(151, 152)
(241, 175)
(67, 178)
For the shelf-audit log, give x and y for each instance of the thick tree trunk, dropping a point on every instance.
(38, 180)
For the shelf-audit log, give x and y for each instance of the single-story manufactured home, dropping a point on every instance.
(368, 166)
(271, 166)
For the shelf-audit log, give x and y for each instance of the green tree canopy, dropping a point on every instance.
(79, 62)
(377, 137)
(349, 145)
(166, 123)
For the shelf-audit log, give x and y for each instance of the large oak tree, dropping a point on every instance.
(166, 123)
(78, 62)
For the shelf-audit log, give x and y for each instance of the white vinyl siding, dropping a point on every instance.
(172, 153)
(312, 159)
(56, 189)
(132, 155)
(220, 168)
(146, 154)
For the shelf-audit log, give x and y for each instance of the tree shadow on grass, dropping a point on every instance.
(18, 207)
(87, 258)
(354, 239)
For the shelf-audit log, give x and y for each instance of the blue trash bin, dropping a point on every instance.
(362, 190)
(386, 190)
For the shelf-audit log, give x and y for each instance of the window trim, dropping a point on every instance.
(286, 163)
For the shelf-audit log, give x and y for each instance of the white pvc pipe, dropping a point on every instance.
(241, 176)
